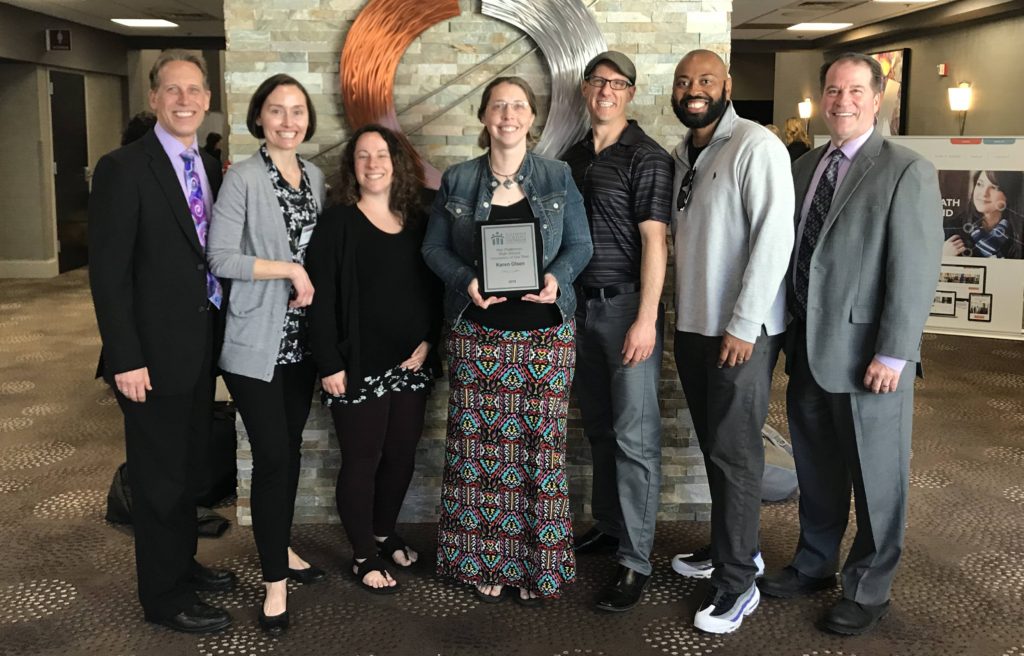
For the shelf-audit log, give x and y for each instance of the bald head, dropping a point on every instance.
(701, 91)
(703, 61)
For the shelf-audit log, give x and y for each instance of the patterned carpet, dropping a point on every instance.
(67, 577)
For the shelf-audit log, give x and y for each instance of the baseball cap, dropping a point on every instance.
(616, 59)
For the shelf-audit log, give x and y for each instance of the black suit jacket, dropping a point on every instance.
(146, 267)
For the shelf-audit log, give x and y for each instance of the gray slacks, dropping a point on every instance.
(859, 440)
(619, 408)
(728, 406)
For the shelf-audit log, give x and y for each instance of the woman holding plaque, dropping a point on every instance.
(262, 222)
(505, 519)
(374, 325)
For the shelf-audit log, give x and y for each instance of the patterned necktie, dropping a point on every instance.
(197, 208)
(820, 204)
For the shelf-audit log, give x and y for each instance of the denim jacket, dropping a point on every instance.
(464, 200)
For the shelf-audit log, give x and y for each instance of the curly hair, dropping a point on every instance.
(405, 199)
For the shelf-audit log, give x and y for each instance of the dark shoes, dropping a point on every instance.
(306, 576)
(274, 625)
(624, 591)
(198, 618)
(851, 618)
(790, 583)
(207, 579)
(594, 541)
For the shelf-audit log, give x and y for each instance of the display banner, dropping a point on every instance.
(980, 290)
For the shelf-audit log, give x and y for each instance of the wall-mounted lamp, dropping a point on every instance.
(960, 98)
(803, 109)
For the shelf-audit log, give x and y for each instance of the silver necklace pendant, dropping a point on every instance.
(507, 183)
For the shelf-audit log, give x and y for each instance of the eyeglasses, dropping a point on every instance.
(599, 82)
(517, 106)
(684, 189)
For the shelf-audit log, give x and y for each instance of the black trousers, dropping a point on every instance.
(729, 406)
(274, 414)
(166, 442)
(378, 440)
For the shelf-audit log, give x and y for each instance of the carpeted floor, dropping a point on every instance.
(67, 583)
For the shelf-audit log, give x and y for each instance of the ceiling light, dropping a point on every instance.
(144, 22)
(818, 27)
(906, 2)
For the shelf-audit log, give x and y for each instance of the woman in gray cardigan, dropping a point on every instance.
(262, 222)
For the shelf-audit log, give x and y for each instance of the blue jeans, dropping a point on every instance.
(619, 407)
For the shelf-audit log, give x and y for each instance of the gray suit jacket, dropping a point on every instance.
(247, 224)
(876, 265)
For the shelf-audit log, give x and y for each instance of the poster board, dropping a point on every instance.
(980, 291)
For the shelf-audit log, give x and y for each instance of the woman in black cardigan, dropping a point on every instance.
(373, 325)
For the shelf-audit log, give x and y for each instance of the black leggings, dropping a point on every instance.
(274, 414)
(378, 440)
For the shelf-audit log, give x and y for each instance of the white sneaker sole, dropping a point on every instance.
(683, 568)
(710, 624)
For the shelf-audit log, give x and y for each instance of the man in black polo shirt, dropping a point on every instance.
(626, 181)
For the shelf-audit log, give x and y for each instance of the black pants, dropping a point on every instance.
(378, 440)
(166, 442)
(274, 414)
(728, 406)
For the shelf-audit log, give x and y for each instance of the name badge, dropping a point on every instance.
(307, 234)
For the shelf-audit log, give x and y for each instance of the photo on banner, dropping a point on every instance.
(983, 213)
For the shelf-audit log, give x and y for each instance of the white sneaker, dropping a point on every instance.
(698, 565)
(723, 613)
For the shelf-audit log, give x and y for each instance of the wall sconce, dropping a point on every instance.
(803, 109)
(960, 98)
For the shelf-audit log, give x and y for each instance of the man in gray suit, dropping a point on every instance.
(866, 261)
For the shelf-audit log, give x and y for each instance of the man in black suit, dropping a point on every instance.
(156, 307)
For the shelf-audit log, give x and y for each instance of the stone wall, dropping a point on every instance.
(304, 38)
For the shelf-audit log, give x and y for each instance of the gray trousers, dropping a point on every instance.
(859, 440)
(728, 406)
(619, 408)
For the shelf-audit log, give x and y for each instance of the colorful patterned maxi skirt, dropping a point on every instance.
(505, 496)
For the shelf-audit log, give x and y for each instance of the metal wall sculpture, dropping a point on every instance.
(375, 44)
(565, 32)
(568, 36)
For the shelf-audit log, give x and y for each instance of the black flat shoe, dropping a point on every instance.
(274, 625)
(528, 601)
(306, 576)
(789, 583)
(624, 592)
(491, 598)
(594, 541)
(373, 564)
(851, 618)
(200, 617)
(387, 547)
(208, 579)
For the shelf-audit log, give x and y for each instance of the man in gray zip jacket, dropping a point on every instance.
(733, 232)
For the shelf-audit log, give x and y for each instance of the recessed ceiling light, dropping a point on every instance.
(818, 27)
(906, 2)
(144, 22)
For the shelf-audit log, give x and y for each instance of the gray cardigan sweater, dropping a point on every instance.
(247, 224)
(734, 240)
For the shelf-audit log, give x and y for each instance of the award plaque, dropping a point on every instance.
(510, 258)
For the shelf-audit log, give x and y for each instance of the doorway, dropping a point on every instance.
(70, 164)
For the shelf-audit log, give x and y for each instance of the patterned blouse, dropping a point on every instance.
(300, 211)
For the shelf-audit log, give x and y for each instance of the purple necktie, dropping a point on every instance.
(820, 205)
(197, 208)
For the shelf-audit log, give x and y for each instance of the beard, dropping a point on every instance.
(712, 113)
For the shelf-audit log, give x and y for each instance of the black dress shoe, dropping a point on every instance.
(851, 618)
(305, 576)
(198, 618)
(624, 591)
(207, 579)
(274, 625)
(790, 583)
(594, 541)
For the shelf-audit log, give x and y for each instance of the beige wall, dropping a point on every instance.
(27, 224)
(988, 55)
(104, 114)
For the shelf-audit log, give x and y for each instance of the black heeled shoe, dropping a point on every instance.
(274, 625)
(311, 574)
